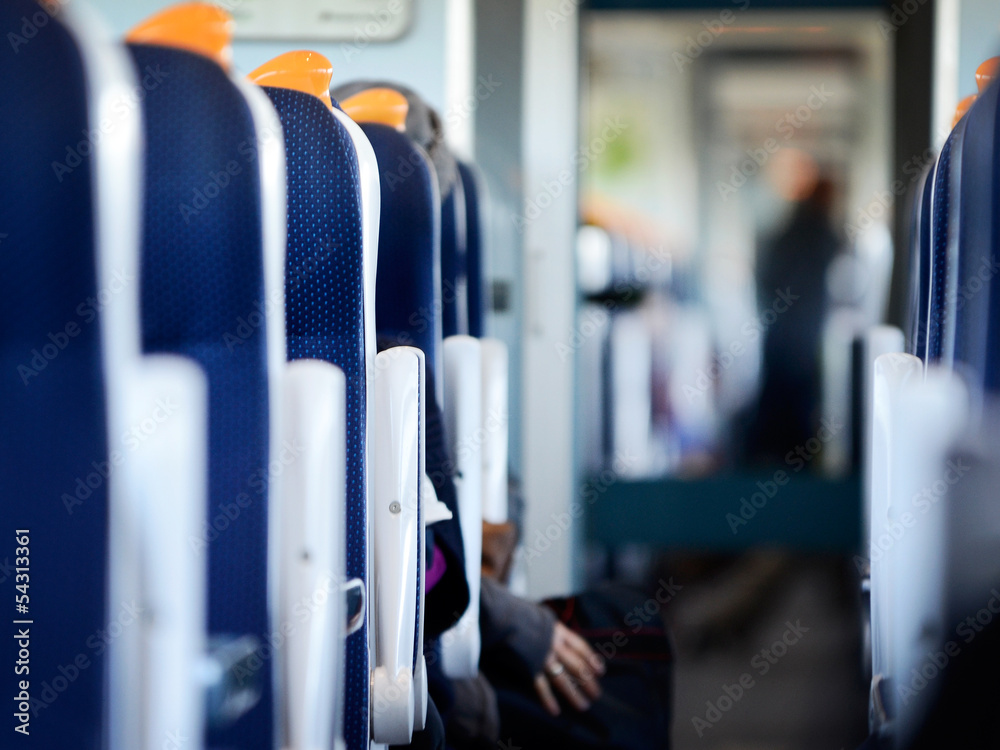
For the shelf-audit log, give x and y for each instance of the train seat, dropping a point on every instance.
(129, 429)
(327, 181)
(325, 316)
(213, 252)
(917, 417)
(977, 317)
(409, 309)
(477, 257)
(454, 261)
(920, 266)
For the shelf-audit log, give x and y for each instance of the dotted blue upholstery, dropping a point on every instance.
(203, 296)
(52, 400)
(408, 301)
(475, 249)
(920, 265)
(454, 258)
(937, 306)
(978, 314)
(324, 318)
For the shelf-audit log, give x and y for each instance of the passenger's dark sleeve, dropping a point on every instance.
(515, 625)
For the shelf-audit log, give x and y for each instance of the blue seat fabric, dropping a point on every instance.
(203, 297)
(324, 317)
(53, 432)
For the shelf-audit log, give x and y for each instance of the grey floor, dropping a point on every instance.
(812, 695)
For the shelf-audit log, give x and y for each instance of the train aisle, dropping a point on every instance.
(791, 679)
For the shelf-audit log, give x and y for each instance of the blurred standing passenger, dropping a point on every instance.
(791, 274)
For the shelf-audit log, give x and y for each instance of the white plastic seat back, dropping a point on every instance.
(161, 562)
(917, 418)
(878, 340)
(312, 554)
(398, 472)
(631, 399)
(890, 372)
(928, 417)
(973, 523)
(158, 428)
(842, 326)
(495, 429)
(371, 200)
(463, 398)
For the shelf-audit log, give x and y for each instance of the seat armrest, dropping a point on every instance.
(398, 471)
(158, 553)
(311, 555)
(495, 429)
(463, 397)
(917, 417)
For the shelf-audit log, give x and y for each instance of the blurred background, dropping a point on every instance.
(742, 170)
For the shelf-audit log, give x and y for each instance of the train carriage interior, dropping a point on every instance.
(477, 374)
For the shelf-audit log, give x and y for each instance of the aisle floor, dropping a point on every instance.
(798, 660)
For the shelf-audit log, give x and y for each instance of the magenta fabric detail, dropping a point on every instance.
(436, 570)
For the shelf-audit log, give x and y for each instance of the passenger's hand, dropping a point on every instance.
(573, 668)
